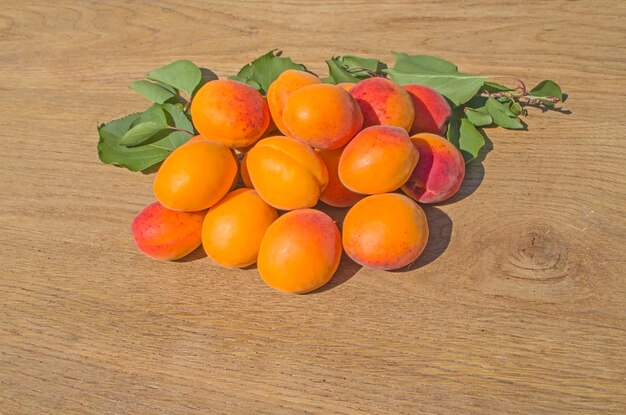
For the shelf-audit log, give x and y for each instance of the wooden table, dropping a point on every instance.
(518, 305)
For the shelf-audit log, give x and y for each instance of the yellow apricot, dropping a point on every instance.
(282, 88)
(286, 173)
(323, 116)
(386, 231)
(195, 176)
(234, 227)
(379, 159)
(300, 251)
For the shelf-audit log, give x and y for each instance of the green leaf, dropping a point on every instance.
(458, 88)
(438, 74)
(494, 87)
(353, 63)
(176, 117)
(423, 64)
(516, 108)
(183, 75)
(470, 140)
(454, 126)
(338, 73)
(153, 150)
(141, 132)
(547, 89)
(262, 71)
(499, 114)
(478, 117)
(353, 68)
(152, 91)
(465, 136)
(133, 158)
(154, 114)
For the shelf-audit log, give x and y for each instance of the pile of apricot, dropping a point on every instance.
(247, 186)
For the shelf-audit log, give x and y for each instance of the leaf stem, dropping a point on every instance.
(372, 74)
(180, 129)
(521, 86)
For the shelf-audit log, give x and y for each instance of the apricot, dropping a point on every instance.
(282, 88)
(336, 194)
(165, 234)
(195, 139)
(387, 231)
(324, 116)
(300, 251)
(230, 112)
(195, 176)
(286, 173)
(440, 170)
(234, 227)
(243, 169)
(383, 102)
(379, 159)
(432, 110)
(347, 85)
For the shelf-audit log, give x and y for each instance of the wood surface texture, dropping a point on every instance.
(518, 305)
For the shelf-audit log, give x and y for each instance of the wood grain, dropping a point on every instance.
(518, 305)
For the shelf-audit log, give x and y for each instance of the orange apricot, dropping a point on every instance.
(195, 176)
(243, 169)
(282, 88)
(432, 111)
(195, 139)
(234, 227)
(165, 234)
(300, 251)
(379, 159)
(383, 102)
(230, 112)
(386, 231)
(336, 194)
(440, 171)
(347, 85)
(324, 116)
(286, 173)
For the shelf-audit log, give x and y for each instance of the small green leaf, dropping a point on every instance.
(516, 108)
(153, 149)
(454, 126)
(140, 133)
(176, 117)
(338, 73)
(470, 140)
(547, 89)
(152, 91)
(153, 114)
(133, 158)
(353, 63)
(423, 64)
(478, 116)
(353, 68)
(183, 75)
(458, 88)
(262, 71)
(498, 112)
